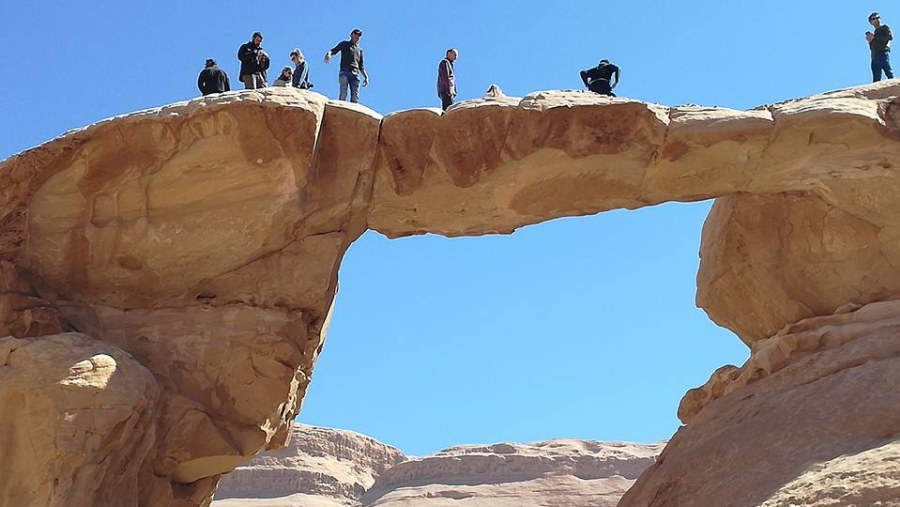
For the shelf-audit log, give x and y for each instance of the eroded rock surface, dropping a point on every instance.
(812, 418)
(204, 238)
(556, 473)
(325, 466)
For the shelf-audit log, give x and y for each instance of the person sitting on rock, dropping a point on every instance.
(285, 78)
(212, 79)
(599, 79)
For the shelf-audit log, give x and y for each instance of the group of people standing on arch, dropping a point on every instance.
(255, 63)
(601, 79)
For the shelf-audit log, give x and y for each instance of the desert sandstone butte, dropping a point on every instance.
(325, 467)
(168, 277)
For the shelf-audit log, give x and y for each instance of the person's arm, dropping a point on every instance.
(200, 81)
(616, 75)
(333, 51)
(362, 69)
(584, 77)
(227, 82)
(304, 75)
(883, 34)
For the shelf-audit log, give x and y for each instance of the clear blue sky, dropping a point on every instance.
(574, 328)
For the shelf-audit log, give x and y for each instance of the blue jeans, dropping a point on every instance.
(348, 78)
(881, 61)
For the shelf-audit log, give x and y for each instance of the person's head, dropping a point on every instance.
(257, 38)
(604, 62)
(210, 63)
(355, 35)
(287, 71)
(296, 56)
(875, 19)
(452, 54)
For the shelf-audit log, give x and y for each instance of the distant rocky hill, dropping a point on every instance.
(322, 466)
(325, 467)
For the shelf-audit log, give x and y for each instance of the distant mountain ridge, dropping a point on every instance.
(325, 467)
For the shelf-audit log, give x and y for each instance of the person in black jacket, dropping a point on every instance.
(880, 46)
(254, 63)
(599, 79)
(213, 79)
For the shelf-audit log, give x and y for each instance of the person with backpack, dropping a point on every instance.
(599, 79)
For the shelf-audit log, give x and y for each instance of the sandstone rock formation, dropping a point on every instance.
(320, 466)
(556, 473)
(323, 467)
(812, 418)
(203, 240)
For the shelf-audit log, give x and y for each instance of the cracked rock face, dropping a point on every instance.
(203, 239)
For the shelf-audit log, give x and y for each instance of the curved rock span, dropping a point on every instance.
(197, 245)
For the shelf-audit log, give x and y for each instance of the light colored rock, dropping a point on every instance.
(556, 473)
(812, 419)
(324, 467)
(204, 238)
(320, 465)
(76, 425)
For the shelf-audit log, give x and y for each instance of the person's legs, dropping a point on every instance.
(446, 101)
(354, 87)
(260, 81)
(886, 65)
(343, 82)
(876, 69)
(601, 86)
(249, 81)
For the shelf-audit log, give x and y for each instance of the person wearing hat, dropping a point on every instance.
(300, 78)
(254, 63)
(599, 79)
(352, 65)
(284, 79)
(212, 79)
(880, 46)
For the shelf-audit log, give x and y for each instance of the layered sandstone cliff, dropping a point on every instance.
(198, 246)
(556, 473)
(324, 467)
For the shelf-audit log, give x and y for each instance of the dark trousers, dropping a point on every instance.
(881, 61)
(602, 87)
(446, 101)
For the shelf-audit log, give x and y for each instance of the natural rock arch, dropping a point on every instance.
(204, 238)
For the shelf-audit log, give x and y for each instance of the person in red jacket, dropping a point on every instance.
(446, 81)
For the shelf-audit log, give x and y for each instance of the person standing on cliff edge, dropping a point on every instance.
(446, 81)
(254, 63)
(352, 65)
(880, 45)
